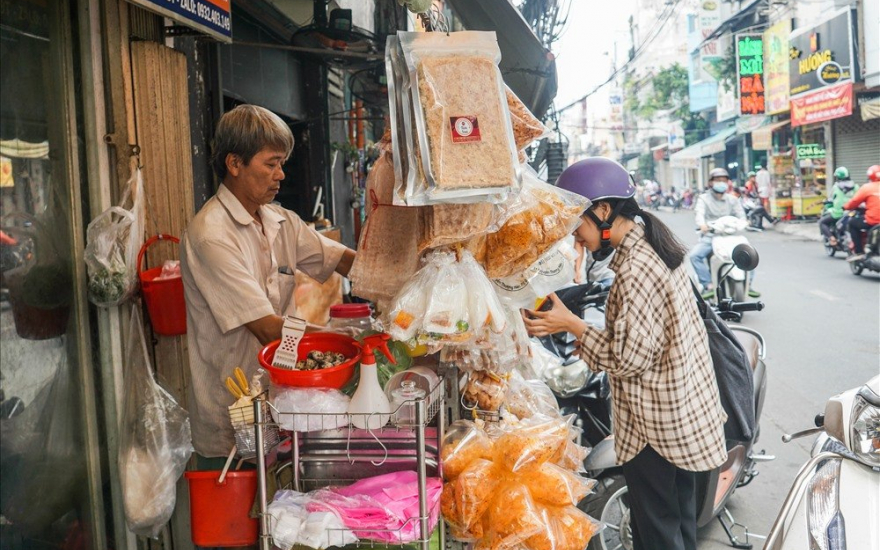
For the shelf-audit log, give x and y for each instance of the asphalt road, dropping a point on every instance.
(822, 328)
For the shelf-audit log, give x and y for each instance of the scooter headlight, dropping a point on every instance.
(826, 524)
(865, 430)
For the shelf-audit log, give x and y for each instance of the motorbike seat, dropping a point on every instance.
(751, 344)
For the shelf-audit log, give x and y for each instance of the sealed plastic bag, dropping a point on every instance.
(527, 445)
(549, 215)
(514, 518)
(526, 127)
(388, 252)
(446, 313)
(565, 528)
(484, 307)
(461, 116)
(484, 391)
(113, 241)
(408, 307)
(466, 499)
(526, 398)
(155, 441)
(464, 443)
(309, 409)
(556, 486)
(552, 271)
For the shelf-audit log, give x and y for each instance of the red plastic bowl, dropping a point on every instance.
(334, 377)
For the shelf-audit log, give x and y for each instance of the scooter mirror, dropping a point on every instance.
(745, 257)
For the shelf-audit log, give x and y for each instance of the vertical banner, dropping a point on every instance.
(711, 54)
(750, 73)
(776, 54)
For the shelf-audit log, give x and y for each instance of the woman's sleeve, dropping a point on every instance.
(630, 345)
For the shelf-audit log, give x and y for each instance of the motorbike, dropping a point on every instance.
(840, 234)
(591, 402)
(871, 241)
(834, 499)
(728, 280)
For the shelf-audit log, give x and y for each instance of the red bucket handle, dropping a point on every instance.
(150, 242)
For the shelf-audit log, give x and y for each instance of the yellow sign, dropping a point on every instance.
(6, 178)
(776, 82)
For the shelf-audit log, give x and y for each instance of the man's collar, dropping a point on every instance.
(238, 212)
(629, 240)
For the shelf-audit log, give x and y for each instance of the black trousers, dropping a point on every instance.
(827, 226)
(662, 503)
(856, 226)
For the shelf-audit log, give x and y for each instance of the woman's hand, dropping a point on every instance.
(557, 319)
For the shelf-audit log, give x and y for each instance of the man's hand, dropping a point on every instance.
(345, 263)
(557, 319)
(704, 229)
(266, 329)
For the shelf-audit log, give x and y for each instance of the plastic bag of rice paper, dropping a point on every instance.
(461, 115)
(526, 127)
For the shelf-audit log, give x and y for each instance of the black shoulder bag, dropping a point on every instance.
(733, 373)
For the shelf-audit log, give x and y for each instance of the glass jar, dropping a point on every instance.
(403, 402)
(355, 316)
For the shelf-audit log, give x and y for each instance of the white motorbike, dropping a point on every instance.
(728, 280)
(834, 503)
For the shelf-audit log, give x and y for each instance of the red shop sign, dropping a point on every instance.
(821, 105)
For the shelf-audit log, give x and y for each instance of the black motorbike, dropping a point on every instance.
(842, 241)
(591, 402)
(871, 244)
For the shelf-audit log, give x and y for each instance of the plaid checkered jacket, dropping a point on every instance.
(656, 353)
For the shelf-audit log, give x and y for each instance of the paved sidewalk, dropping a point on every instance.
(804, 230)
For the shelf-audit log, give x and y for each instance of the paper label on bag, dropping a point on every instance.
(465, 129)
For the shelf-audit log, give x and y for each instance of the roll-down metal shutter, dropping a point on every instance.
(856, 145)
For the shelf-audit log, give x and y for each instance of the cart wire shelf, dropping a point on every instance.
(408, 533)
(394, 421)
(242, 419)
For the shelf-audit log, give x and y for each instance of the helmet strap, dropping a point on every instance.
(605, 248)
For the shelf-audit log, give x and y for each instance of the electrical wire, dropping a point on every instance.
(653, 34)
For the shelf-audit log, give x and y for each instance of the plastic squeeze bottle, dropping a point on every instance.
(369, 405)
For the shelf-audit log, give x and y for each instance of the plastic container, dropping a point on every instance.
(220, 512)
(425, 379)
(357, 316)
(334, 377)
(370, 408)
(403, 402)
(164, 298)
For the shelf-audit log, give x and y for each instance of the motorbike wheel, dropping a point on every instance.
(610, 505)
(856, 268)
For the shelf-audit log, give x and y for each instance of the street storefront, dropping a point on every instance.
(857, 142)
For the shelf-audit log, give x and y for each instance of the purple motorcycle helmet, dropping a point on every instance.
(597, 178)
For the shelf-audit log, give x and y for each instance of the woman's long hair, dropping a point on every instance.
(664, 242)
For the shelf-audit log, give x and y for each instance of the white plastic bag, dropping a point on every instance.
(113, 241)
(300, 409)
(155, 441)
(552, 271)
(447, 308)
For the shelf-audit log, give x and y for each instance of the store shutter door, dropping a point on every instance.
(857, 146)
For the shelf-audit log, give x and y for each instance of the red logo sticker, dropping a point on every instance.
(465, 129)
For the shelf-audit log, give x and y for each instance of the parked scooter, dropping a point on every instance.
(609, 503)
(835, 496)
(728, 280)
(871, 242)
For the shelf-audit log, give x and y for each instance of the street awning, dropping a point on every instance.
(689, 157)
(529, 69)
(762, 138)
(870, 109)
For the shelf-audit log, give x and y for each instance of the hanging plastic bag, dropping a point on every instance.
(526, 127)
(527, 397)
(113, 240)
(552, 271)
(461, 117)
(408, 307)
(155, 441)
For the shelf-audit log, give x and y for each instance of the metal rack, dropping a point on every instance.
(344, 454)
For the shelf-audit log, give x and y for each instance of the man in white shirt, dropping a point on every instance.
(762, 178)
(238, 260)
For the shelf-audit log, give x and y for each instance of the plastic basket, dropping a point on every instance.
(242, 419)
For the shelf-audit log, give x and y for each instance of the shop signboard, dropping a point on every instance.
(212, 17)
(822, 105)
(711, 53)
(750, 73)
(810, 151)
(776, 67)
(822, 56)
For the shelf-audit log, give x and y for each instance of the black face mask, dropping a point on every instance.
(605, 248)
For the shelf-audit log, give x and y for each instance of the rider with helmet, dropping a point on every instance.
(668, 419)
(869, 195)
(843, 190)
(712, 205)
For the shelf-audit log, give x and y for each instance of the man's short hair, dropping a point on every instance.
(245, 131)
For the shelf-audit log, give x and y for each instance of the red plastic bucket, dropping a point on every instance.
(164, 298)
(220, 513)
